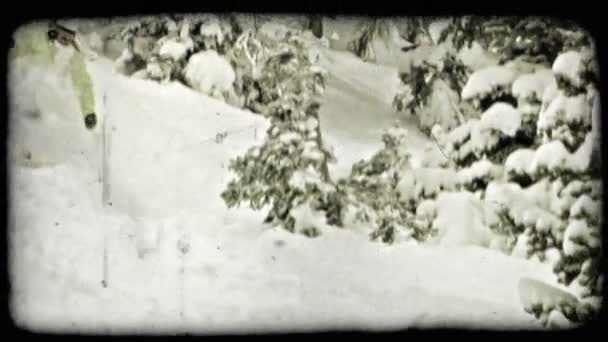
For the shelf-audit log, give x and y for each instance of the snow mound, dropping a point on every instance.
(207, 72)
(501, 117)
(173, 49)
(460, 220)
(552, 156)
(570, 66)
(486, 80)
(534, 292)
(565, 109)
(479, 170)
(519, 161)
(578, 234)
(533, 85)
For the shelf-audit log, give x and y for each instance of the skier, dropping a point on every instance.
(40, 42)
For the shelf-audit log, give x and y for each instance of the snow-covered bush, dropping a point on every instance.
(210, 73)
(372, 192)
(172, 41)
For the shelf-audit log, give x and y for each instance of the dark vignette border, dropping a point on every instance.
(586, 16)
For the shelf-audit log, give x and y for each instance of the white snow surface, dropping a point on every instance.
(179, 260)
(486, 80)
(207, 72)
(501, 117)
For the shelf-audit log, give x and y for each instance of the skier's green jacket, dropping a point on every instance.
(34, 41)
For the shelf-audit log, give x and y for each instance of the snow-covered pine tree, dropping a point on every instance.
(547, 198)
(289, 171)
(573, 110)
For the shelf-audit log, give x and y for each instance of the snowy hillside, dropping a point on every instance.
(165, 254)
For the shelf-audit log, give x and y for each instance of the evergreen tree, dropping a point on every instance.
(289, 170)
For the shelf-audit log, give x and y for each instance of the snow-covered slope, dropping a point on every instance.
(207, 268)
(357, 109)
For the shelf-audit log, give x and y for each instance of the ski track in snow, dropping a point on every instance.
(238, 275)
